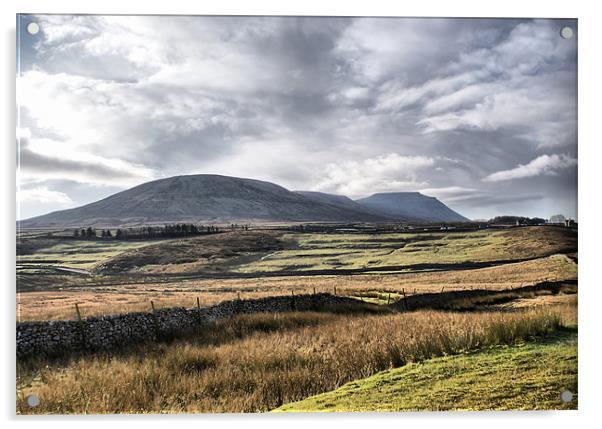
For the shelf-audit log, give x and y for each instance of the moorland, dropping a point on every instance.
(260, 362)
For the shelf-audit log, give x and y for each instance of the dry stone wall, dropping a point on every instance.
(48, 338)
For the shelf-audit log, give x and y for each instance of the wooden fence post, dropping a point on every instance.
(238, 295)
(314, 290)
(335, 290)
(155, 319)
(80, 325)
(198, 303)
(79, 315)
(389, 298)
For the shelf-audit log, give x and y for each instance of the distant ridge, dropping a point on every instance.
(343, 202)
(211, 198)
(411, 205)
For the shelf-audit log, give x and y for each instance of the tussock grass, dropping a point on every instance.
(259, 362)
(526, 376)
(495, 298)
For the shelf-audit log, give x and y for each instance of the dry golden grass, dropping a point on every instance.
(97, 300)
(258, 362)
(540, 301)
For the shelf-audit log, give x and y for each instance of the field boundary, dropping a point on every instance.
(468, 299)
(52, 338)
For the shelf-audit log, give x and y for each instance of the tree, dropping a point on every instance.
(76, 233)
(118, 234)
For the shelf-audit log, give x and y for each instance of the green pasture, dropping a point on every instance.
(82, 254)
(519, 377)
(365, 251)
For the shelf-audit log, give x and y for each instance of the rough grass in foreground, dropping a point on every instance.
(526, 376)
(259, 362)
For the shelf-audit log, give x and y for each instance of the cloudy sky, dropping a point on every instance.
(480, 113)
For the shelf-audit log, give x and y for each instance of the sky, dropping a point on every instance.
(480, 113)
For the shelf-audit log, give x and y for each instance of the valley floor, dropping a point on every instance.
(476, 354)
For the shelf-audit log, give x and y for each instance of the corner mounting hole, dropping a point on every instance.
(32, 400)
(33, 28)
(566, 396)
(566, 32)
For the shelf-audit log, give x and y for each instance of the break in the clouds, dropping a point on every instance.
(480, 113)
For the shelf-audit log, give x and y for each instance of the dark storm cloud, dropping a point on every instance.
(479, 112)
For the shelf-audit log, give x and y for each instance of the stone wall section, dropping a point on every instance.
(47, 338)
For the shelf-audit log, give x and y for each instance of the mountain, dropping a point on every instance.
(411, 206)
(343, 202)
(201, 198)
(209, 198)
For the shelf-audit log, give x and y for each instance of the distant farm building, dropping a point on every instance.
(557, 219)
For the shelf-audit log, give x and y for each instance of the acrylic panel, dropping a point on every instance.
(224, 214)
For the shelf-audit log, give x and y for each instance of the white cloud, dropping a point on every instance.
(23, 133)
(395, 96)
(523, 84)
(450, 193)
(304, 102)
(391, 172)
(540, 110)
(544, 164)
(42, 195)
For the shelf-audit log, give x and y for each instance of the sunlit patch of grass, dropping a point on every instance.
(525, 376)
(401, 249)
(83, 254)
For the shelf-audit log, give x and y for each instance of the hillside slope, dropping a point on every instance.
(199, 198)
(342, 202)
(412, 206)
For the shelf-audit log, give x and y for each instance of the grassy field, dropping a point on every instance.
(260, 362)
(256, 252)
(208, 253)
(525, 376)
(57, 302)
(71, 253)
(126, 275)
(402, 251)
